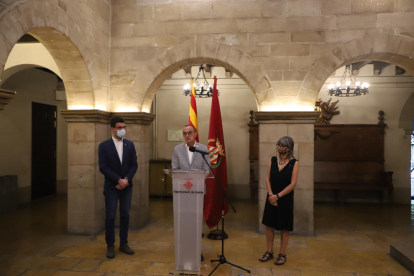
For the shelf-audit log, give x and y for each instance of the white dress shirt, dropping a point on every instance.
(190, 153)
(119, 147)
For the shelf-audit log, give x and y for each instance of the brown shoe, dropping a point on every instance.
(126, 249)
(110, 252)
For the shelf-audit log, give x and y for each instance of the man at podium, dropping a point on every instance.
(183, 158)
(186, 160)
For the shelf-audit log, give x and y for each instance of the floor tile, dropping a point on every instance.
(349, 240)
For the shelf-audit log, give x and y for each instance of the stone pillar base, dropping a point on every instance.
(139, 132)
(86, 130)
(299, 126)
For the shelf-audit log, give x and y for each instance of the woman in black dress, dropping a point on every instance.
(282, 175)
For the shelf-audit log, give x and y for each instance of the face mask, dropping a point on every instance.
(282, 150)
(121, 133)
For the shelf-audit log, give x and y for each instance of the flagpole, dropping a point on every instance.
(222, 259)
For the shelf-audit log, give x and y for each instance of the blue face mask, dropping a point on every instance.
(121, 133)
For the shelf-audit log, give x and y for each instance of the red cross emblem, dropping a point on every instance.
(188, 185)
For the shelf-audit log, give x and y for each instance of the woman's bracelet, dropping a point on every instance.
(277, 195)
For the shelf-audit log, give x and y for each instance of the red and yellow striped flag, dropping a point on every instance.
(192, 119)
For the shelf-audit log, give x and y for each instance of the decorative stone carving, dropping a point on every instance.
(328, 110)
(5, 97)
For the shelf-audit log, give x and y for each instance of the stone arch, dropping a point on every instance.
(75, 74)
(406, 120)
(52, 25)
(395, 49)
(15, 69)
(190, 53)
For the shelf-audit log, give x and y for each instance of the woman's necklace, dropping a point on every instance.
(282, 161)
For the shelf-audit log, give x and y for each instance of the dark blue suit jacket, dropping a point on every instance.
(110, 165)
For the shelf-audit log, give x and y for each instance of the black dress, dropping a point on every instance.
(280, 217)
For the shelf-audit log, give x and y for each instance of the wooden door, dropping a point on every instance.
(43, 150)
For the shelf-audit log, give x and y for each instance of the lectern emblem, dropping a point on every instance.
(188, 185)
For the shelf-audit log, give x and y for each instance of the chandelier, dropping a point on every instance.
(202, 89)
(344, 88)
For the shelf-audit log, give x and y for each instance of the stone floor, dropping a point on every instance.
(348, 240)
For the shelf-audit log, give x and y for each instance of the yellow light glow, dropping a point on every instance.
(146, 110)
(101, 107)
(80, 107)
(287, 108)
(126, 109)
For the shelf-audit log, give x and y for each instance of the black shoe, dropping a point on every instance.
(202, 258)
(126, 249)
(202, 235)
(110, 252)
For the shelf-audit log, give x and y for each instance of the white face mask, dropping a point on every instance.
(121, 133)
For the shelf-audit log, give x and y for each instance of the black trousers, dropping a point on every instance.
(111, 200)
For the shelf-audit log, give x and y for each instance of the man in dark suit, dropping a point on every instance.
(118, 163)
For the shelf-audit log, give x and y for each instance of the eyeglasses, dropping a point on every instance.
(280, 146)
(120, 127)
(189, 133)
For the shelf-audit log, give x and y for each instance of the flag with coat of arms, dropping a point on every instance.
(217, 152)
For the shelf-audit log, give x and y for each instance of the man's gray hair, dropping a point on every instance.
(195, 130)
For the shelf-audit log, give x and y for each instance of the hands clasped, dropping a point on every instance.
(122, 184)
(273, 200)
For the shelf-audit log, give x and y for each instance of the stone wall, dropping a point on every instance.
(284, 50)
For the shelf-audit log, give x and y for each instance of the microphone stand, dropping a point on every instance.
(222, 259)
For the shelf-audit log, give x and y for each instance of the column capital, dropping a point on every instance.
(99, 116)
(86, 116)
(289, 117)
(5, 97)
(141, 118)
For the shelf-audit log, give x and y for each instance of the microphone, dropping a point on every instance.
(194, 149)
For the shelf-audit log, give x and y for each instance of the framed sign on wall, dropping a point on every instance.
(174, 135)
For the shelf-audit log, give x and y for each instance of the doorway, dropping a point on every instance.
(43, 150)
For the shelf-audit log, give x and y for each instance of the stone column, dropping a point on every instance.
(5, 97)
(86, 130)
(86, 210)
(138, 131)
(299, 126)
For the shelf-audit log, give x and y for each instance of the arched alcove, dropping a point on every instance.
(406, 121)
(236, 99)
(75, 75)
(188, 54)
(393, 49)
(79, 52)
